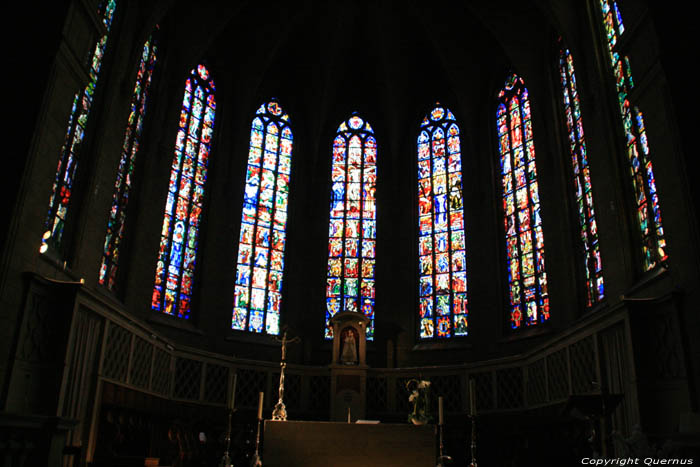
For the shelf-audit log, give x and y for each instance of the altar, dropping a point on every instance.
(338, 444)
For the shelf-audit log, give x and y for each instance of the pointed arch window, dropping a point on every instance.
(258, 289)
(177, 256)
(353, 223)
(527, 279)
(125, 171)
(641, 172)
(441, 240)
(582, 181)
(64, 181)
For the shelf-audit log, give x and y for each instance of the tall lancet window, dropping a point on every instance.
(125, 171)
(258, 289)
(582, 181)
(441, 240)
(177, 255)
(638, 152)
(353, 223)
(64, 181)
(527, 279)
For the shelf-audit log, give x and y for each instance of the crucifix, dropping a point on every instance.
(280, 411)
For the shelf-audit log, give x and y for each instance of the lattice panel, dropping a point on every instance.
(161, 372)
(613, 365)
(116, 360)
(248, 386)
(583, 367)
(665, 347)
(376, 394)
(216, 384)
(292, 390)
(483, 386)
(510, 388)
(558, 375)
(536, 383)
(141, 363)
(188, 378)
(450, 388)
(319, 393)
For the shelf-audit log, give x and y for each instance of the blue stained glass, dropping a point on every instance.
(652, 241)
(64, 180)
(178, 246)
(264, 205)
(352, 223)
(439, 282)
(582, 182)
(522, 212)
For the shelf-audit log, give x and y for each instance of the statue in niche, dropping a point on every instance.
(350, 340)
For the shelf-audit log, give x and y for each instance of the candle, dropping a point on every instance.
(472, 396)
(260, 404)
(349, 414)
(232, 400)
(441, 418)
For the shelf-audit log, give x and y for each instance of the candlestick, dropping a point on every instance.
(256, 461)
(231, 402)
(442, 457)
(472, 398)
(260, 405)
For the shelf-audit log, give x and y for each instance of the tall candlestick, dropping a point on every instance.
(440, 413)
(472, 398)
(232, 400)
(260, 405)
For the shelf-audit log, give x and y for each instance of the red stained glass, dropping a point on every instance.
(353, 206)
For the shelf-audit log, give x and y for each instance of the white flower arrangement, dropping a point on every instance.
(419, 397)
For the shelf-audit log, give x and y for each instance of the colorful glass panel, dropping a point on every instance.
(125, 171)
(527, 279)
(641, 170)
(257, 302)
(442, 308)
(177, 256)
(583, 191)
(352, 229)
(64, 181)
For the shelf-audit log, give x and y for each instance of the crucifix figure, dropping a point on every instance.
(280, 411)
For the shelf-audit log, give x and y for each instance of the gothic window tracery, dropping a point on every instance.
(641, 170)
(588, 233)
(525, 262)
(69, 158)
(352, 232)
(177, 255)
(125, 172)
(443, 310)
(260, 263)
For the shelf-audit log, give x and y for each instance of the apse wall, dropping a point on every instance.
(390, 64)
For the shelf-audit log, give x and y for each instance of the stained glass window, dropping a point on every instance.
(353, 223)
(258, 289)
(125, 171)
(441, 239)
(641, 171)
(527, 279)
(63, 185)
(177, 255)
(582, 180)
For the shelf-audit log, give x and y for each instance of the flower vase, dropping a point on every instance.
(418, 421)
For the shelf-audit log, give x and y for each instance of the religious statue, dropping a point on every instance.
(349, 354)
